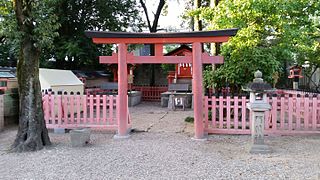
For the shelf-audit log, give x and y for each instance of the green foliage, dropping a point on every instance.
(167, 67)
(44, 31)
(60, 26)
(189, 119)
(76, 17)
(271, 33)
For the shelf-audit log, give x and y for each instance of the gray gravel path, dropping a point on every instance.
(164, 151)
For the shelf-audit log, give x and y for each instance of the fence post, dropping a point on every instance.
(314, 113)
(206, 112)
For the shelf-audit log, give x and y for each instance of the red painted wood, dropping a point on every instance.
(279, 106)
(98, 99)
(274, 113)
(91, 106)
(298, 113)
(206, 112)
(228, 131)
(72, 108)
(306, 113)
(314, 113)
(150, 93)
(236, 112)
(84, 108)
(243, 111)
(228, 108)
(221, 112)
(131, 59)
(290, 113)
(214, 111)
(111, 120)
(59, 103)
(71, 105)
(78, 98)
(104, 109)
(122, 109)
(282, 112)
(65, 109)
(175, 40)
(268, 116)
(52, 108)
(158, 49)
(46, 108)
(197, 90)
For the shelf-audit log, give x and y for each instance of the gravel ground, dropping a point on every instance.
(161, 148)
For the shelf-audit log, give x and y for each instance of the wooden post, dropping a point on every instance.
(122, 110)
(197, 90)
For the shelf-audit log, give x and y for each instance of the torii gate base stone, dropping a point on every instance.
(122, 58)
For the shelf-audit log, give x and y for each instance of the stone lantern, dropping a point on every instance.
(258, 104)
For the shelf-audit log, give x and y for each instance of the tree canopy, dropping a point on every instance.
(72, 48)
(272, 34)
(45, 26)
(66, 46)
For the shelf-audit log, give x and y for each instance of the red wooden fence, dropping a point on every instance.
(289, 115)
(226, 115)
(74, 111)
(294, 115)
(150, 93)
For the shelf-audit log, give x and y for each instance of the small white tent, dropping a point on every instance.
(60, 80)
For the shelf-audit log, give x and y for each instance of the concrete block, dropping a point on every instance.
(134, 98)
(59, 130)
(80, 137)
(260, 149)
(164, 101)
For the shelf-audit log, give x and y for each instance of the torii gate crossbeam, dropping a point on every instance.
(122, 58)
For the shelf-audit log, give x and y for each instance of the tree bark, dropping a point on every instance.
(32, 133)
(153, 29)
(197, 21)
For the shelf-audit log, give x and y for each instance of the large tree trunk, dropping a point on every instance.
(197, 21)
(153, 29)
(32, 133)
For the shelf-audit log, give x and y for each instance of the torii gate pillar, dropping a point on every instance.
(122, 108)
(197, 90)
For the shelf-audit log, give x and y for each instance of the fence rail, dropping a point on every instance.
(295, 115)
(150, 93)
(289, 115)
(74, 111)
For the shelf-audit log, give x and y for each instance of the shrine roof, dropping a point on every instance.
(111, 34)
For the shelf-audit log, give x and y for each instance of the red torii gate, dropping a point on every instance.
(197, 59)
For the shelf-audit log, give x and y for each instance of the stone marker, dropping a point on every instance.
(80, 137)
(59, 130)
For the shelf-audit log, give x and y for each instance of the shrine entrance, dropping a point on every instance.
(197, 58)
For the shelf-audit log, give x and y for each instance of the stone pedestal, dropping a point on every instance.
(295, 85)
(165, 98)
(59, 130)
(257, 133)
(134, 98)
(257, 127)
(80, 137)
